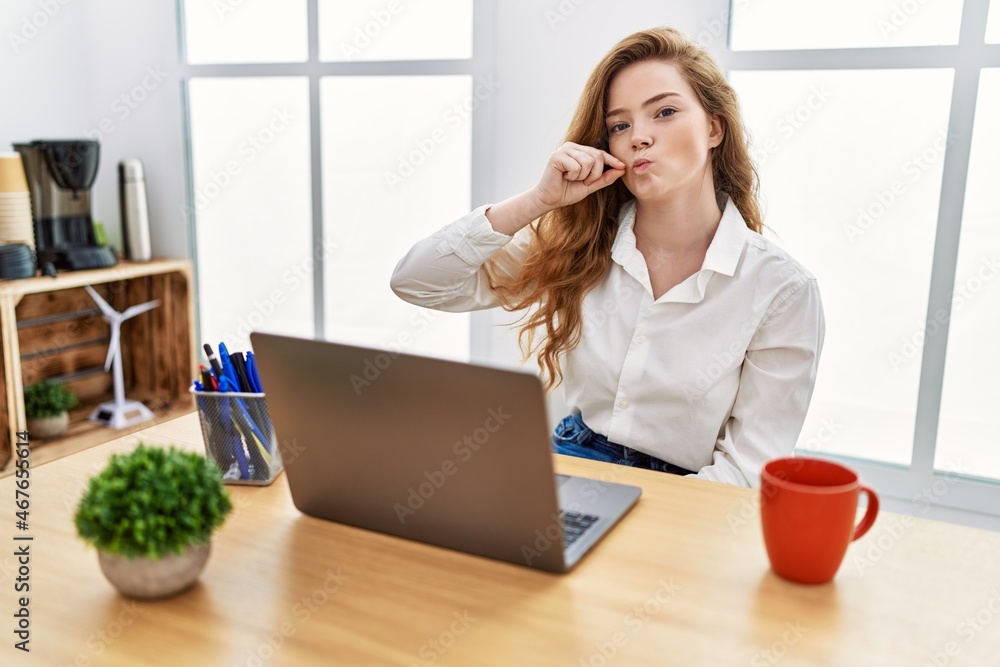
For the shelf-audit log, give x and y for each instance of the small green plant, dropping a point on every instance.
(152, 502)
(48, 399)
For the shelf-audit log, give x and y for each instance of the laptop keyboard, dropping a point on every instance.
(576, 524)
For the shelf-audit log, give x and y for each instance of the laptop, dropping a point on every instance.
(451, 454)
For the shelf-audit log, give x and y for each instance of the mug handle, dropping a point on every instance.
(868, 520)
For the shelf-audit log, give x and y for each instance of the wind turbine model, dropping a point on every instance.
(120, 413)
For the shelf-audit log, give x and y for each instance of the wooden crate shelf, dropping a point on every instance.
(51, 328)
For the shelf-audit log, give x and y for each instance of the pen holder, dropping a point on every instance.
(239, 437)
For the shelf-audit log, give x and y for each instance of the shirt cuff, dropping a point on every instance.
(472, 238)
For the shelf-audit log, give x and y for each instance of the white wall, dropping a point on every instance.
(69, 63)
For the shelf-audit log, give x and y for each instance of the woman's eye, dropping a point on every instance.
(666, 112)
(617, 127)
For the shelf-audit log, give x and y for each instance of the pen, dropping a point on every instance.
(258, 445)
(252, 372)
(227, 369)
(234, 439)
(255, 441)
(214, 360)
(207, 381)
(263, 418)
(255, 411)
(239, 365)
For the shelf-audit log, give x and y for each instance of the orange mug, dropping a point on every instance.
(808, 508)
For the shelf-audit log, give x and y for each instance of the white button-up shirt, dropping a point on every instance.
(714, 376)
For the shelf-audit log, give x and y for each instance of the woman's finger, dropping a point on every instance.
(612, 161)
(569, 166)
(587, 162)
(605, 179)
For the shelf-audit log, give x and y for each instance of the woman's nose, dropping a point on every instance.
(640, 139)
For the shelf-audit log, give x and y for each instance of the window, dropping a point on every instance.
(869, 240)
(969, 430)
(378, 30)
(325, 137)
(250, 167)
(872, 128)
(793, 24)
(266, 31)
(389, 183)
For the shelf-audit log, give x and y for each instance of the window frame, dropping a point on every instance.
(481, 64)
(918, 485)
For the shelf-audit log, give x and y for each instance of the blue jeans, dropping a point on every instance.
(574, 438)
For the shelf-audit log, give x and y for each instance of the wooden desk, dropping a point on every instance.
(683, 581)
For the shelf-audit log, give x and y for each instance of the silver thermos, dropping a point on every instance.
(135, 212)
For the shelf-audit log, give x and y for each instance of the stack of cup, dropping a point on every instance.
(15, 203)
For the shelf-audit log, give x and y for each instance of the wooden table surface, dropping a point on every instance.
(683, 580)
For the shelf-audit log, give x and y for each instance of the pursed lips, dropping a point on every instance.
(640, 165)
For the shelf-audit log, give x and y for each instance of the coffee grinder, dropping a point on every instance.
(60, 175)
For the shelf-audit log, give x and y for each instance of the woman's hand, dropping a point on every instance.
(573, 172)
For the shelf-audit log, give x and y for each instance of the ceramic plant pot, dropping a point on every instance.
(48, 427)
(150, 578)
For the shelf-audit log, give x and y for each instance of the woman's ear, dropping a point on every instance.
(716, 130)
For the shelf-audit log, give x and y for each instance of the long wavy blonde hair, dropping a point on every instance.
(571, 251)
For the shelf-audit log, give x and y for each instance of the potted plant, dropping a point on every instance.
(46, 406)
(151, 514)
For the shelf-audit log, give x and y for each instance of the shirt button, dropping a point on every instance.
(640, 338)
(623, 404)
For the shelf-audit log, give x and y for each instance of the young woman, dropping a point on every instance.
(685, 341)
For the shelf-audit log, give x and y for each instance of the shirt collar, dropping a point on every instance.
(623, 250)
(723, 254)
(727, 245)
